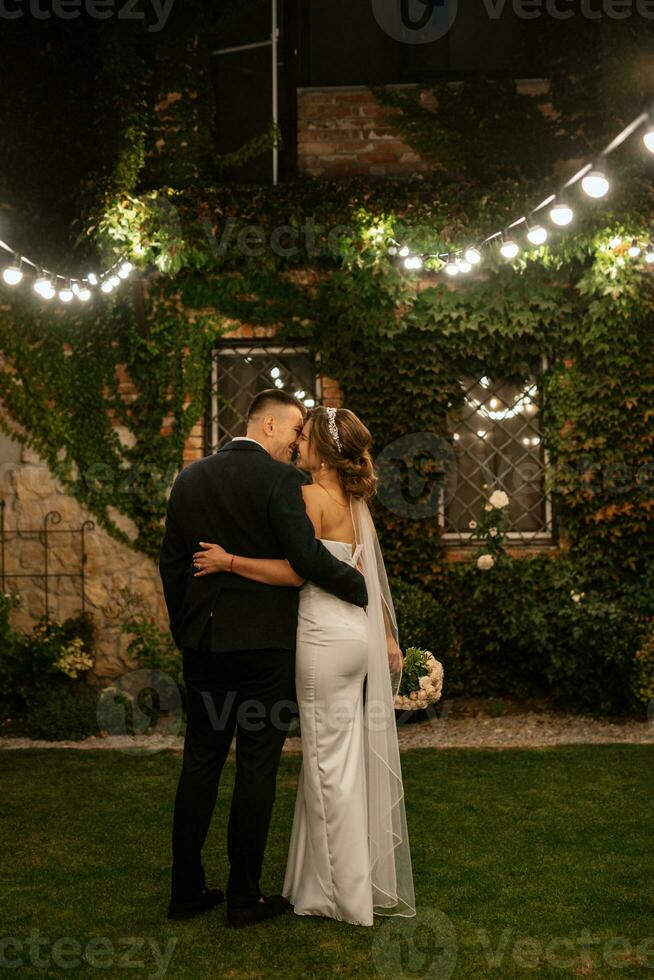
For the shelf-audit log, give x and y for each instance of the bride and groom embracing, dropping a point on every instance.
(279, 601)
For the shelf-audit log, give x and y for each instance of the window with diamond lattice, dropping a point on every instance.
(239, 372)
(497, 440)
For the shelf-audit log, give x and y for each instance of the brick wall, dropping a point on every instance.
(344, 130)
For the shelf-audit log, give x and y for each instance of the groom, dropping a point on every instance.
(237, 639)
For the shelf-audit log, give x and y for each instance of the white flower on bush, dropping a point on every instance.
(492, 531)
(484, 562)
(576, 596)
(498, 499)
(73, 659)
(472, 525)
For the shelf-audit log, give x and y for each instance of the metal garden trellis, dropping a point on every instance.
(43, 534)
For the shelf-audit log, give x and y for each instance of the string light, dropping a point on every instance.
(594, 183)
(473, 256)
(537, 235)
(561, 214)
(13, 274)
(45, 281)
(509, 249)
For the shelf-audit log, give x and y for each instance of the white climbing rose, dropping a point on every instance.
(498, 499)
(485, 562)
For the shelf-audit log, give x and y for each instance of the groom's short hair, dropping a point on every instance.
(265, 401)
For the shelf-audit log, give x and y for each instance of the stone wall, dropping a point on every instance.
(30, 492)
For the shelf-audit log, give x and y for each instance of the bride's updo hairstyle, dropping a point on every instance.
(353, 461)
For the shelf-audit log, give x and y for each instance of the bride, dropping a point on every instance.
(349, 856)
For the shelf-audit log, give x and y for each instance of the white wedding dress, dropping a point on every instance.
(348, 856)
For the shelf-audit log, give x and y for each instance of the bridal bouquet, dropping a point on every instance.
(422, 680)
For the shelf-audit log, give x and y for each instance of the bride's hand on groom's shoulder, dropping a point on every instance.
(212, 558)
(395, 656)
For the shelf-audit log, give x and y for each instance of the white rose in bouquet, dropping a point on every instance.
(422, 680)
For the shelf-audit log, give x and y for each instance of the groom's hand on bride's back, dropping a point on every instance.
(298, 542)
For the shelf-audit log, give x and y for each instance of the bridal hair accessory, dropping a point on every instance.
(331, 415)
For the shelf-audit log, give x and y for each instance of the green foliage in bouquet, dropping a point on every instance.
(414, 667)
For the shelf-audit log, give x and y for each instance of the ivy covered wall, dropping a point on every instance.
(108, 395)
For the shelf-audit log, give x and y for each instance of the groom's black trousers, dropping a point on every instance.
(252, 693)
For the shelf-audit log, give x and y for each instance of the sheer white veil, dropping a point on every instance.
(390, 856)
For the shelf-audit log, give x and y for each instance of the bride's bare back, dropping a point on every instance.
(329, 511)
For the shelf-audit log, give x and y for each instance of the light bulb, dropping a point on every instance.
(648, 139)
(615, 242)
(43, 286)
(12, 275)
(561, 214)
(464, 265)
(452, 268)
(115, 281)
(537, 235)
(279, 383)
(481, 433)
(125, 270)
(84, 294)
(634, 249)
(649, 254)
(509, 249)
(309, 402)
(595, 184)
(107, 286)
(413, 262)
(473, 256)
(300, 394)
(275, 372)
(92, 278)
(404, 251)
(66, 294)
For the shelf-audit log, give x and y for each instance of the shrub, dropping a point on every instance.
(58, 712)
(52, 654)
(642, 681)
(422, 620)
(150, 646)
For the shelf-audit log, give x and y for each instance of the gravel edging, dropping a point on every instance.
(529, 730)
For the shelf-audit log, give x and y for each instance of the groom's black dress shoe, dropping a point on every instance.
(207, 900)
(267, 907)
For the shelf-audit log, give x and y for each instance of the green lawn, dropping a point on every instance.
(512, 851)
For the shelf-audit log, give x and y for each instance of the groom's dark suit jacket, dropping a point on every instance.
(252, 505)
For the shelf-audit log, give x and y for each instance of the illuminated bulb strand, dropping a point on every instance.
(525, 400)
(48, 284)
(595, 184)
(301, 395)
